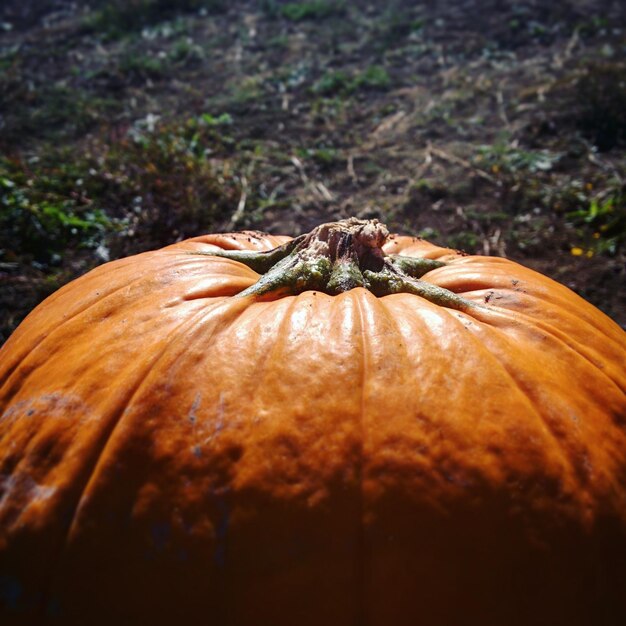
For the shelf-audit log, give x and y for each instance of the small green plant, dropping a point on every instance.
(8, 56)
(50, 112)
(333, 82)
(601, 223)
(336, 82)
(165, 172)
(466, 241)
(324, 157)
(248, 90)
(279, 42)
(142, 66)
(159, 179)
(394, 27)
(117, 18)
(374, 77)
(510, 158)
(593, 26)
(185, 51)
(270, 8)
(312, 10)
(44, 210)
(206, 119)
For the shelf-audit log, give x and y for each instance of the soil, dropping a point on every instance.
(491, 126)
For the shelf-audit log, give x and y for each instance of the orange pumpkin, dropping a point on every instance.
(376, 432)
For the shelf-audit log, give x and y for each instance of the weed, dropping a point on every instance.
(51, 112)
(593, 26)
(116, 18)
(336, 82)
(165, 30)
(325, 158)
(207, 119)
(270, 8)
(185, 51)
(601, 222)
(504, 157)
(279, 42)
(426, 191)
(394, 27)
(8, 57)
(333, 82)
(374, 77)
(335, 109)
(44, 208)
(312, 10)
(159, 180)
(142, 66)
(163, 178)
(248, 90)
(429, 233)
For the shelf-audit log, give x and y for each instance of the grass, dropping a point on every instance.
(157, 181)
(336, 82)
(509, 158)
(142, 67)
(45, 207)
(594, 210)
(52, 112)
(118, 18)
(313, 10)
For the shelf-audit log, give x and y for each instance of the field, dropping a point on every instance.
(492, 126)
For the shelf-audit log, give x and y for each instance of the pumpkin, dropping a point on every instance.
(345, 428)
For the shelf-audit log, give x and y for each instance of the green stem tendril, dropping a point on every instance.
(337, 257)
(414, 266)
(260, 262)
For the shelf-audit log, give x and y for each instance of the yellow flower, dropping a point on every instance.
(577, 251)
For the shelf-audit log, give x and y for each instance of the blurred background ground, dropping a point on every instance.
(493, 126)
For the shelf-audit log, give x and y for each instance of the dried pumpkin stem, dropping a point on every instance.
(337, 257)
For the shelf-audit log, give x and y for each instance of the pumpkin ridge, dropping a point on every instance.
(93, 467)
(494, 358)
(360, 554)
(101, 271)
(533, 405)
(581, 492)
(50, 335)
(280, 336)
(550, 291)
(559, 309)
(567, 452)
(91, 472)
(552, 332)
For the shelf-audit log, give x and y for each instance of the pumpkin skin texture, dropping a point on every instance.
(171, 451)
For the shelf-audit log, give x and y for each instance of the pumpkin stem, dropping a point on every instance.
(337, 257)
(260, 262)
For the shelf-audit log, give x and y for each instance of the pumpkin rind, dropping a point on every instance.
(171, 452)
